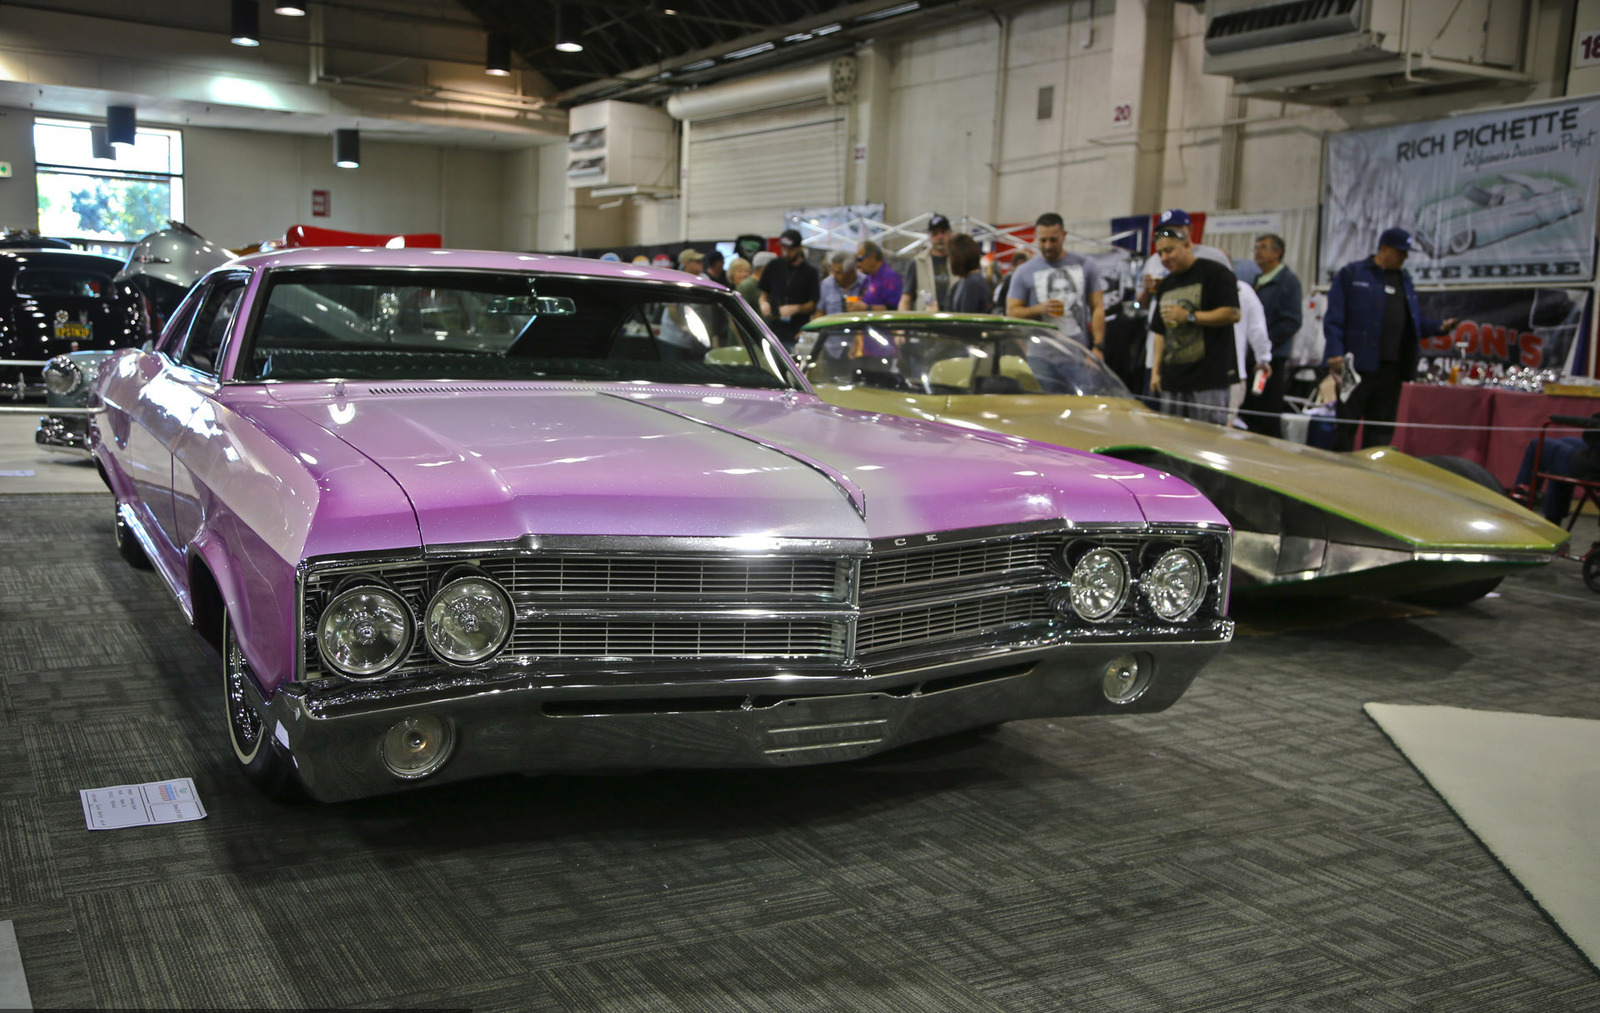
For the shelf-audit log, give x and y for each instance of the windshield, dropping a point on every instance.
(396, 324)
(933, 357)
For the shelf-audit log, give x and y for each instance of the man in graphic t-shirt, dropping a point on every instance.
(1060, 288)
(1193, 360)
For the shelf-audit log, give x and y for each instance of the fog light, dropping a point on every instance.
(418, 746)
(1125, 679)
(1099, 584)
(1175, 586)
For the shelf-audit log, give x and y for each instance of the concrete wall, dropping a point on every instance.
(1184, 140)
(243, 186)
(19, 196)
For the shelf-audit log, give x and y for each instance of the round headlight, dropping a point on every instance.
(62, 376)
(468, 620)
(1099, 584)
(1175, 585)
(364, 631)
(418, 746)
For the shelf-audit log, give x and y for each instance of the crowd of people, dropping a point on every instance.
(1196, 341)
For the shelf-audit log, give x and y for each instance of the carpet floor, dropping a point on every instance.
(1261, 845)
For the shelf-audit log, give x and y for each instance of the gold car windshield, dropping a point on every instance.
(386, 324)
(955, 357)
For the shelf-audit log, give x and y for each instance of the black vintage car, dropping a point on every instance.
(53, 302)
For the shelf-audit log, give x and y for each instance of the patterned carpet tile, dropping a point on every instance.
(784, 968)
(1258, 846)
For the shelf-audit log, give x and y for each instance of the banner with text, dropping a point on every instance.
(1492, 196)
(1534, 327)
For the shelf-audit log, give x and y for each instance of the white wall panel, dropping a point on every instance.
(243, 186)
(745, 171)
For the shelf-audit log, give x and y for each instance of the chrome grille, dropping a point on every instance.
(693, 579)
(959, 620)
(798, 606)
(962, 562)
(659, 639)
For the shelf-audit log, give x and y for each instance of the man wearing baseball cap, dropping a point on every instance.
(789, 289)
(1372, 328)
(928, 282)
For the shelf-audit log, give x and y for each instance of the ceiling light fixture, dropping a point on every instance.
(121, 124)
(290, 10)
(567, 29)
(245, 24)
(347, 148)
(889, 12)
(740, 54)
(99, 145)
(497, 59)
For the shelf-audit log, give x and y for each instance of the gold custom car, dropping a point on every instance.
(1306, 520)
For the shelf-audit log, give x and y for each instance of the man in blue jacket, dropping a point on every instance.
(1374, 318)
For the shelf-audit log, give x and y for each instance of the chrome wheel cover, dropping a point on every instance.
(244, 724)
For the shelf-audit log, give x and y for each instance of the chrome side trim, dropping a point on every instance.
(617, 545)
(1506, 556)
(146, 543)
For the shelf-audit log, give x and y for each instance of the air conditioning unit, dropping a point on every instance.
(1325, 51)
(621, 145)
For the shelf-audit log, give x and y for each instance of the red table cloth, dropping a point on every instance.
(1500, 423)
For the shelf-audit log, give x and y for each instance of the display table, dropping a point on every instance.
(1489, 410)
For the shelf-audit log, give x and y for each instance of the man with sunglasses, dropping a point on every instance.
(883, 287)
(1193, 359)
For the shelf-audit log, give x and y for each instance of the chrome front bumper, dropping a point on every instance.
(539, 725)
(63, 435)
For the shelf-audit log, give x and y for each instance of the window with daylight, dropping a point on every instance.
(115, 200)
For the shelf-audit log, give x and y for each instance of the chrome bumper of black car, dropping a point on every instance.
(63, 435)
(542, 724)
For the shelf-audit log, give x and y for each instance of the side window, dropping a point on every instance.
(172, 335)
(203, 348)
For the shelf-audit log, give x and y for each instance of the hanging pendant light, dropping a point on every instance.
(497, 59)
(245, 23)
(99, 144)
(567, 29)
(347, 148)
(122, 122)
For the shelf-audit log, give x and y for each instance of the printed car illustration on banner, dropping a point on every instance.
(1486, 213)
(446, 514)
(1305, 520)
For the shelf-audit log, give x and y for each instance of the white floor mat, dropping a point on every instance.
(1529, 787)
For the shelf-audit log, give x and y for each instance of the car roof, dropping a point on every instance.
(913, 317)
(59, 258)
(461, 260)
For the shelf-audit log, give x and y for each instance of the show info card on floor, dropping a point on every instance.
(141, 805)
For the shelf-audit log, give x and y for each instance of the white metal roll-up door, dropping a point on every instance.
(745, 171)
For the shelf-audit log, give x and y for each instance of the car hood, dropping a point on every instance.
(1381, 489)
(484, 463)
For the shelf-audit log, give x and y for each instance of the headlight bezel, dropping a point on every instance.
(62, 376)
(455, 579)
(1078, 576)
(377, 588)
(1151, 584)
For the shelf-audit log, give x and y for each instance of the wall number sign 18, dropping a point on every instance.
(1586, 50)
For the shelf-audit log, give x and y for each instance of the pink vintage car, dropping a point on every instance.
(445, 514)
